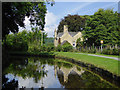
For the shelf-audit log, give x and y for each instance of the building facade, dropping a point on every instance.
(66, 36)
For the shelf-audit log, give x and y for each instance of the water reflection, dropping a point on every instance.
(34, 72)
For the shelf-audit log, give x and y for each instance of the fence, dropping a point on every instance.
(113, 50)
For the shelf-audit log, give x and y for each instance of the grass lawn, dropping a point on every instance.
(105, 63)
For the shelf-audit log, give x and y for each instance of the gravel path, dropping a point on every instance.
(101, 56)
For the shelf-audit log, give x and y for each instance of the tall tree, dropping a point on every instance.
(103, 25)
(75, 23)
(13, 15)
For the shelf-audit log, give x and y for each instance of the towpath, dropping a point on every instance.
(115, 58)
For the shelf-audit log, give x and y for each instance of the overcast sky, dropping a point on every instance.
(60, 9)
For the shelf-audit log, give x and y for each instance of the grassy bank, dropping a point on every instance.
(108, 64)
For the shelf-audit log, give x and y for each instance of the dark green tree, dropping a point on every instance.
(103, 25)
(75, 23)
(13, 15)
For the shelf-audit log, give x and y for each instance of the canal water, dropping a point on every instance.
(36, 72)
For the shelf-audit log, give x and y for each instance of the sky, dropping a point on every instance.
(61, 9)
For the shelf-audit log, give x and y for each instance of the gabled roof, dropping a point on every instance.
(71, 34)
(60, 34)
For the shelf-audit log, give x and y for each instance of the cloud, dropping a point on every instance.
(27, 24)
(50, 30)
(51, 23)
(50, 19)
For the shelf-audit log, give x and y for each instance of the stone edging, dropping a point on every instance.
(93, 68)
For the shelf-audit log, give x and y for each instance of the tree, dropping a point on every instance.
(75, 23)
(13, 15)
(103, 25)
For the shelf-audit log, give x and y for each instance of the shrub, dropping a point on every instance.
(33, 48)
(92, 50)
(43, 48)
(83, 50)
(115, 51)
(67, 48)
(110, 51)
(59, 48)
(50, 47)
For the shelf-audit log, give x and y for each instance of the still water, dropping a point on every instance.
(36, 72)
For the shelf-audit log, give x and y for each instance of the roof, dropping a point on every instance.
(71, 33)
(60, 34)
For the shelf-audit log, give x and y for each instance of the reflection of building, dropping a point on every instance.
(66, 71)
(70, 37)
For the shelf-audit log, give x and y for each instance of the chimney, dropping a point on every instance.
(65, 28)
(55, 33)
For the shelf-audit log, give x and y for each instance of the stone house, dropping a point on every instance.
(66, 36)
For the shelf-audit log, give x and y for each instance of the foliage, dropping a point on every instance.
(75, 23)
(93, 50)
(49, 40)
(110, 51)
(24, 41)
(50, 47)
(14, 42)
(103, 25)
(38, 48)
(79, 42)
(67, 47)
(14, 13)
(59, 48)
(23, 69)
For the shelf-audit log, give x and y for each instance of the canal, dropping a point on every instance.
(36, 72)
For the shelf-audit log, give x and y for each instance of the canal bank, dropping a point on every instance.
(97, 64)
(34, 54)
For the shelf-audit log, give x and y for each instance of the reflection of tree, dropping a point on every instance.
(12, 84)
(30, 70)
(94, 81)
(33, 67)
(6, 62)
(86, 80)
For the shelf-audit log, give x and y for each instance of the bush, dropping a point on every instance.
(67, 48)
(16, 46)
(33, 48)
(92, 50)
(50, 47)
(43, 48)
(110, 51)
(59, 48)
(83, 49)
(115, 52)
